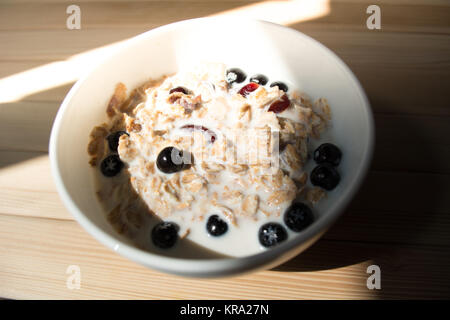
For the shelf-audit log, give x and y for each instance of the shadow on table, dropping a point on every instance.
(397, 221)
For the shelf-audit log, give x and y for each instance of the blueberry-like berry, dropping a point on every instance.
(113, 140)
(271, 234)
(111, 165)
(280, 85)
(235, 75)
(328, 153)
(259, 79)
(216, 226)
(298, 216)
(165, 234)
(170, 160)
(178, 89)
(325, 176)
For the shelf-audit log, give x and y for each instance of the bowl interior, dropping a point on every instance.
(264, 47)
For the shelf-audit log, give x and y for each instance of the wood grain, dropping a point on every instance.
(321, 272)
(397, 16)
(399, 220)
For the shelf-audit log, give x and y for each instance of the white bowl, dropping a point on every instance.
(284, 53)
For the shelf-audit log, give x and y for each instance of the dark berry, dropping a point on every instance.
(165, 234)
(235, 75)
(113, 140)
(178, 89)
(245, 90)
(216, 226)
(259, 79)
(111, 165)
(328, 153)
(271, 234)
(325, 176)
(210, 133)
(280, 86)
(280, 105)
(298, 216)
(170, 160)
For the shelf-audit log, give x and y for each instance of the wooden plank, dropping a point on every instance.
(388, 49)
(399, 76)
(26, 126)
(401, 17)
(392, 227)
(8, 158)
(325, 271)
(412, 143)
(27, 188)
(415, 91)
(416, 194)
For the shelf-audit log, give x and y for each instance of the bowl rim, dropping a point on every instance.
(218, 266)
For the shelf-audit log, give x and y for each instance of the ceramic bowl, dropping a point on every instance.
(255, 45)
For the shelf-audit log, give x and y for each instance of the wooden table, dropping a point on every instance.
(400, 220)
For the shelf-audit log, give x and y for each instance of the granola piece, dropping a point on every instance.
(193, 182)
(245, 113)
(234, 196)
(149, 168)
(96, 146)
(117, 122)
(302, 98)
(126, 149)
(160, 133)
(265, 212)
(290, 159)
(322, 109)
(132, 125)
(115, 217)
(212, 167)
(134, 99)
(214, 198)
(260, 146)
(269, 119)
(263, 96)
(272, 182)
(281, 196)
(212, 178)
(170, 190)
(218, 150)
(174, 97)
(119, 96)
(190, 104)
(250, 205)
(287, 132)
(161, 207)
(185, 233)
(134, 218)
(182, 205)
(314, 195)
(318, 125)
(195, 186)
(238, 168)
(155, 184)
(189, 177)
(228, 213)
(301, 179)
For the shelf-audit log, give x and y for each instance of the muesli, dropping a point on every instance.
(211, 155)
